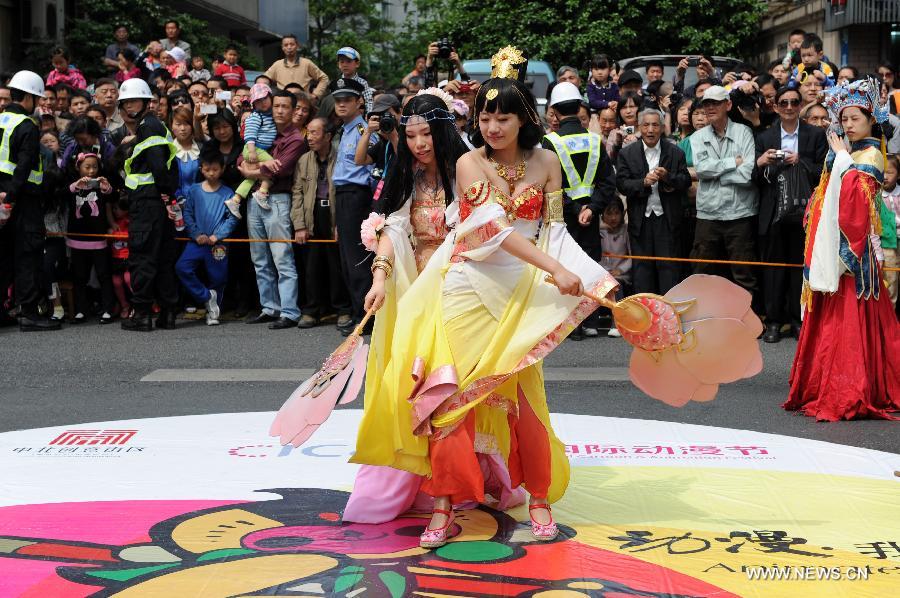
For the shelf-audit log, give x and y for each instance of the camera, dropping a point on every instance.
(445, 48)
(386, 121)
(748, 102)
(93, 184)
(628, 130)
(779, 155)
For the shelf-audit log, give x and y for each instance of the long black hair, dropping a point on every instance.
(508, 96)
(448, 147)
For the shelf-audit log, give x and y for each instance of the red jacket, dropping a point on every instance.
(233, 75)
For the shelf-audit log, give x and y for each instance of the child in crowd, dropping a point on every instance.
(55, 262)
(207, 223)
(88, 216)
(812, 63)
(50, 140)
(614, 239)
(890, 222)
(348, 64)
(601, 91)
(198, 71)
(230, 70)
(127, 67)
(259, 137)
(173, 61)
(121, 278)
(63, 72)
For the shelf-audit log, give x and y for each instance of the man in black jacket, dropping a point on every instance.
(788, 144)
(21, 177)
(151, 178)
(588, 178)
(654, 178)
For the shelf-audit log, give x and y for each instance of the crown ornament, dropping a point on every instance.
(505, 63)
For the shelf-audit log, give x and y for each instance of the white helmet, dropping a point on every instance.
(135, 89)
(564, 92)
(27, 81)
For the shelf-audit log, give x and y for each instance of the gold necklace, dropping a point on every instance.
(510, 173)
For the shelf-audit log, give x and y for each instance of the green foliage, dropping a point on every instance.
(571, 31)
(91, 30)
(334, 24)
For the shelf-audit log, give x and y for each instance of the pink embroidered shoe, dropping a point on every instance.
(540, 531)
(435, 538)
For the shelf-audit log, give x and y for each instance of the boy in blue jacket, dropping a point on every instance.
(208, 222)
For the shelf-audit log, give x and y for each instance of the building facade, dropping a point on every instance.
(861, 33)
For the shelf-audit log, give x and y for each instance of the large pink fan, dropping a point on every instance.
(700, 334)
(337, 382)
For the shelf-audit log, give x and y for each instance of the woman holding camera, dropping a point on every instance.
(847, 364)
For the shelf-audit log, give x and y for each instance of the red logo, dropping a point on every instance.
(93, 437)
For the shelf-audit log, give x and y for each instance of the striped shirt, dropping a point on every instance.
(260, 128)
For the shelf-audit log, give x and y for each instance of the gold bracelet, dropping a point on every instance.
(384, 267)
(384, 258)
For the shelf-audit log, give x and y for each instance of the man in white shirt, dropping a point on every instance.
(653, 176)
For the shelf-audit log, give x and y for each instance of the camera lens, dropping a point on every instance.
(444, 48)
(387, 123)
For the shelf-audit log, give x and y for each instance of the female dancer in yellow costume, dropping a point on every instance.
(463, 373)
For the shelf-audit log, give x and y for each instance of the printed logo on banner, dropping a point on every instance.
(85, 443)
(93, 437)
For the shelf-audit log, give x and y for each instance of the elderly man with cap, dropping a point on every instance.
(383, 120)
(353, 195)
(348, 64)
(589, 180)
(21, 215)
(727, 198)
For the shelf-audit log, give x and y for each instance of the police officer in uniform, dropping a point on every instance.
(151, 179)
(21, 176)
(589, 179)
(353, 196)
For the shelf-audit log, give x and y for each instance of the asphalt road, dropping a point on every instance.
(91, 373)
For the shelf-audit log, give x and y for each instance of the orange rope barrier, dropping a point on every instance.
(630, 257)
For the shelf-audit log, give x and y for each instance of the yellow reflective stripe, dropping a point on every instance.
(134, 180)
(8, 122)
(577, 188)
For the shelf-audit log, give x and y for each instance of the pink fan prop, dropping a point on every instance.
(337, 382)
(700, 334)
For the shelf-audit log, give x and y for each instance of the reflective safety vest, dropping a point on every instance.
(133, 180)
(566, 147)
(8, 123)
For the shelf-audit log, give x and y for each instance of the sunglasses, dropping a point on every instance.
(180, 102)
(788, 103)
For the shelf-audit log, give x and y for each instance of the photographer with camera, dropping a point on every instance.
(443, 50)
(789, 156)
(383, 120)
(706, 73)
(748, 106)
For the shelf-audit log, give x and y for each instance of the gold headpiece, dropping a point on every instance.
(504, 64)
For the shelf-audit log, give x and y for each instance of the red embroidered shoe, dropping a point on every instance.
(435, 538)
(542, 532)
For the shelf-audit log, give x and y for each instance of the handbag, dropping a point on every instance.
(793, 193)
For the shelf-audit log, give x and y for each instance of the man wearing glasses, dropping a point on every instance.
(787, 152)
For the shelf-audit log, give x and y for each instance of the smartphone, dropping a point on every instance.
(93, 184)
(209, 108)
(223, 96)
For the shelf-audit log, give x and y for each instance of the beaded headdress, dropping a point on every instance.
(434, 114)
(864, 93)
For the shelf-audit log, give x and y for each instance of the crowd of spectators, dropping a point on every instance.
(295, 156)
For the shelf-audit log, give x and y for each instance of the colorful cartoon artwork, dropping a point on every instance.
(141, 508)
(297, 546)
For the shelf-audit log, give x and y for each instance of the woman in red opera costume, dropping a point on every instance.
(847, 364)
